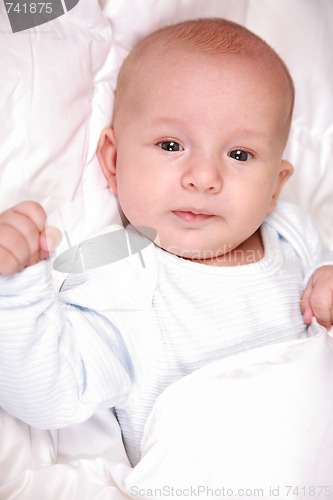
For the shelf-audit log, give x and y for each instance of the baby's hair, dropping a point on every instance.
(212, 36)
(216, 36)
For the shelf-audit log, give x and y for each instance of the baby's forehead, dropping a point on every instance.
(148, 67)
(146, 56)
(165, 48)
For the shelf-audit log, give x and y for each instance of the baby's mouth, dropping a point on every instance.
(192, 215)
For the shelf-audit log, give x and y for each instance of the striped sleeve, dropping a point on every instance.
(59, 363)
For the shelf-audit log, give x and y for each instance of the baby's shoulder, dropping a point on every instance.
(297, 227)
(287, 214)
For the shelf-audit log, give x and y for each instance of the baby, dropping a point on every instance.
(201, 120)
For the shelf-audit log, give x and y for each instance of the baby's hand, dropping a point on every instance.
(317, 299)
(23, 237)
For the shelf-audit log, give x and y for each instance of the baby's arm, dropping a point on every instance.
(58, 362)
(23, 238)
(317, 298)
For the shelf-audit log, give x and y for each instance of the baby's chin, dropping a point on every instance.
(189, 250)
(196, 255)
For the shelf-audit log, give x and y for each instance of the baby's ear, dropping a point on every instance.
(107, 156)
(286, 171)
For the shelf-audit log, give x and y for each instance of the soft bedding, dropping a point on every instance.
(259, 422)
(57, 88)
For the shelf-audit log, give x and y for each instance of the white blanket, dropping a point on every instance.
(259, 422)
(252, 422)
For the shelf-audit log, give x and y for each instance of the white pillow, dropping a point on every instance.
(56, 95)
(259, 420)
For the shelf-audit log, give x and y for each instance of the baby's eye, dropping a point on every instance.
(240, 155)
(170, 146)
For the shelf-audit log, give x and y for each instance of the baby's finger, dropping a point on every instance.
(24, 226)
(305, 304)
(321, 304)
(14, 244)
(48, 241)
(33, 211)
(8, 263)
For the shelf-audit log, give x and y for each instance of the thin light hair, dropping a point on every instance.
(212, 36)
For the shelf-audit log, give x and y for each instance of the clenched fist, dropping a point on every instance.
(24, 240)
(317, 299)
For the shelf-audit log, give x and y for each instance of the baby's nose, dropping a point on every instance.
(204, 177)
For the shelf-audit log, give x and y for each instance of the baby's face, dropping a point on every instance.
(197, 152)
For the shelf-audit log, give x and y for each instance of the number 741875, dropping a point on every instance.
(309, 491)
(29, 8)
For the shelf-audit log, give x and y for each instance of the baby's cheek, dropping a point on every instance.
(133, 208)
